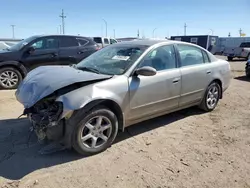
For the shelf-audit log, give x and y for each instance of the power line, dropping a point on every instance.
(63, 23)
(13, 31)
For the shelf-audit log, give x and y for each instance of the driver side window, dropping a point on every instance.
(45, 43)
(161, 58)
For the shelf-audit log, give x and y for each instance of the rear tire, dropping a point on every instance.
(98, 125)
(211, 97)
(229, 58)
(10, 78)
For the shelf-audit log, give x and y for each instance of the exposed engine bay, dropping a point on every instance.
(43, 115)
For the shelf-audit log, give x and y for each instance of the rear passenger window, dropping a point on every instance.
(68, 42)
(205, 56)
(83, 42)
(190, 55)
(106, 41)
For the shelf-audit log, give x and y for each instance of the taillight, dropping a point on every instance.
(97, 47)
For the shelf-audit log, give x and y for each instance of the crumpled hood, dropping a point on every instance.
(44, 80)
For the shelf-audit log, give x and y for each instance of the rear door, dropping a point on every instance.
(86, 48)
(196, 73)
(46, 53)
(68, 50)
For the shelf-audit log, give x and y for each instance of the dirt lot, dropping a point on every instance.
(184, 149)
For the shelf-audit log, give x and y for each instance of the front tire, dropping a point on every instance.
(95, 132)
(211, 97)
(10, 78)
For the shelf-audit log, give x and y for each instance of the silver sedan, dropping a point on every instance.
(83, 106)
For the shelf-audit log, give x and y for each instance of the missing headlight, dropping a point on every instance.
(46, 113)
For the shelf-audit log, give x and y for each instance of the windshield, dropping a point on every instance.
(114, 59)
(22, 43)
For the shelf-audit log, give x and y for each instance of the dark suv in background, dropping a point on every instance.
(36, 51)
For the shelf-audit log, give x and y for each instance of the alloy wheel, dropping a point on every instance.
(8, 78)
(212, 97)
(96, 132)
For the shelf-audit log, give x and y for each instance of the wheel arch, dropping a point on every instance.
(15, 64)
(218, 81)
(110, 104)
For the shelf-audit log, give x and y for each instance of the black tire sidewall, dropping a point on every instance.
(205, 97)
(13, 70)
(79, 147)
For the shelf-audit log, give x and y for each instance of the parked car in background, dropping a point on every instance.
(104, 41)
(243, 51)
(3, 45)
(17, 60)
(83, 106)
(248, 68)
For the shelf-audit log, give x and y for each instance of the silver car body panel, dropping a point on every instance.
(139, 98)
(44, 80)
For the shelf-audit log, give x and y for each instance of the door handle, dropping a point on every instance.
(176, 80)
(82, 51)
(54, 54)
(208, 72)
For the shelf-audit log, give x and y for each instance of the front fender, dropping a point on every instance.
(79, 98)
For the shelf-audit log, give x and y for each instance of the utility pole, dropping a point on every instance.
(114, 33)
(13, 31)
(60, 26)
(240, 32)
(138, 33)
(185, 29)
(212, 31)
(143, 36)
(106, 24)
(63, 24)
(153, 35)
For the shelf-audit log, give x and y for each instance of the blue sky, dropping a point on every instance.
(84, 17)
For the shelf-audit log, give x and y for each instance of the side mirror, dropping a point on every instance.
(146, 71)
(30, 49)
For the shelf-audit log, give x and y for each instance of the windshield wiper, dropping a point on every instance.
(90, 69)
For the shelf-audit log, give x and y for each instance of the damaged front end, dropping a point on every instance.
(45, 117)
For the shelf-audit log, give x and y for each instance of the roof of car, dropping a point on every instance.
(147, 42)
(151, 42)
(61, 36)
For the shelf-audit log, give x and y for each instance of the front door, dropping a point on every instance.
(195, 73)
(46, 53)
(150, 95)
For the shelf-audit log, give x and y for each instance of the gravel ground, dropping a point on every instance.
(183, 149)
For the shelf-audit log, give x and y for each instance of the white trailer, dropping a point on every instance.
(230, 42)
